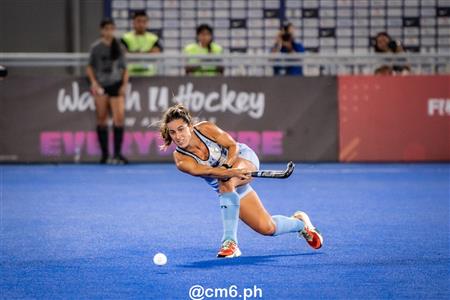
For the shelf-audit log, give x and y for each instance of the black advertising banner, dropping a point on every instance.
(52, 119)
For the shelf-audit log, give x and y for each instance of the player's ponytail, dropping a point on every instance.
(115, 49)
(173, 113)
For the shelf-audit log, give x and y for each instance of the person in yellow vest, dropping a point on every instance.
(141, 41)
(204, 45)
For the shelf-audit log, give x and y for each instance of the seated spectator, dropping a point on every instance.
(285, 43)
(204, 45)
(385, 44)
(141, 41)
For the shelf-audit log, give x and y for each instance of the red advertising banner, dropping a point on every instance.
(385, 118)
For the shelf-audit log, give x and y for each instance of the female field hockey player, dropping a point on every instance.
(109, 77)
(204, 150)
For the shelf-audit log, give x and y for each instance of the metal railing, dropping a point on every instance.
(235, 64)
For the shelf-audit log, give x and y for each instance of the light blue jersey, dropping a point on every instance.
(217, 156)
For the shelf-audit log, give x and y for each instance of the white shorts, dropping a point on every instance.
(244, 152)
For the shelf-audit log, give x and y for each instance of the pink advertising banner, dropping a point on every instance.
(52, 119)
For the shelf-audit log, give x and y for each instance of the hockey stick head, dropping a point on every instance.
(275, 173)
(289, 170)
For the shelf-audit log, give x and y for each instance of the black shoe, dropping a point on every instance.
(119, 159)
(104, 160)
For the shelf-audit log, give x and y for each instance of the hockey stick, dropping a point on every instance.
(275, 173)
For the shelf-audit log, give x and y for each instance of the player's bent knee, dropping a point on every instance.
(244, 164)
(230, 184)
(226, 186)
(267, 228)
(242, 182)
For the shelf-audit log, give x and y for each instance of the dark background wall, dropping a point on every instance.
(281, 118)
(49, 25)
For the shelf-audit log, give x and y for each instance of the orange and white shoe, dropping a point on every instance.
(312, 237)
(229, 249)
(311, 234)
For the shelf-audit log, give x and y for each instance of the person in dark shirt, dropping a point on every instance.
(285, 43)
(108, 76)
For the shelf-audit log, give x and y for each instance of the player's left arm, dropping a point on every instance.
(222, 138)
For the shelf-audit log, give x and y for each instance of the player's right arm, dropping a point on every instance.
(91, 75)
(90, 72)
(95, 86)
(188, 165)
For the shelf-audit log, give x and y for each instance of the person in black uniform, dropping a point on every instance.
(108, 76)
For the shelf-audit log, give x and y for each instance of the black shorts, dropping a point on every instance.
(112, 90)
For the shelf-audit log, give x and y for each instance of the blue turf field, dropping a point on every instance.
(87, 231)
